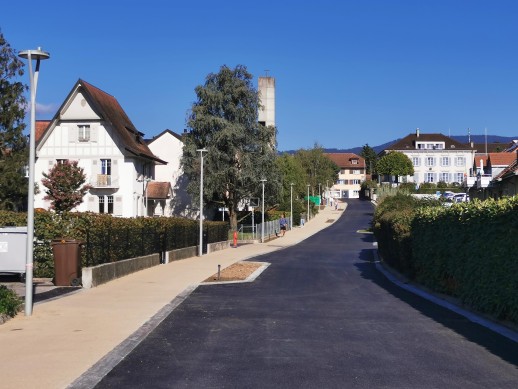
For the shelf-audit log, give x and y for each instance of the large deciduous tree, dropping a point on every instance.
(65, 183)
(14, 150)
(395, 164)
(241, 151)
(318, 168)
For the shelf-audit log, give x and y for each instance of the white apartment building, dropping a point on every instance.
(435, 158)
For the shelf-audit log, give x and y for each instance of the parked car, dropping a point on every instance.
(460, 198)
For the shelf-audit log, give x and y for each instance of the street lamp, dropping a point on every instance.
(308, 202)
(200, 248)
(29, 55)
(262, 217)
(319, 194)
(291, 205)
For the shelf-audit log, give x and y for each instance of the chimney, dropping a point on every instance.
(417, 132)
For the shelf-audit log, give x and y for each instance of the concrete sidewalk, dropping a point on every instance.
(65, 337)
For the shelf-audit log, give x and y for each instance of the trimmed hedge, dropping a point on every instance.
(112, 239)
(467, 250)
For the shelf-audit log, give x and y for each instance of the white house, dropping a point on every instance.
(92, 128)
(168, 146)
(435, 158)
(352, 173)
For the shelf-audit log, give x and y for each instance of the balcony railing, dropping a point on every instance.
(483, 180)
(105, 181)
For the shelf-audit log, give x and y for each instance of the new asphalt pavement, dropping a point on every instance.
(320, 316)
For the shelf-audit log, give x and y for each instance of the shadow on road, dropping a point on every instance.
(496, 344)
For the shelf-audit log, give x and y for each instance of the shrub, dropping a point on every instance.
(10, 303)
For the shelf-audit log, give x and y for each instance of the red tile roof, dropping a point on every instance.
(344, 160)
(158, 190)
(501, 159)
(41, 126)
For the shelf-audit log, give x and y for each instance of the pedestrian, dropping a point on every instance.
(283, 223)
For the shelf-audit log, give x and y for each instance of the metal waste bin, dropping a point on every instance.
(67, 262)
(13, 250)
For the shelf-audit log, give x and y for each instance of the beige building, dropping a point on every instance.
(352, 173)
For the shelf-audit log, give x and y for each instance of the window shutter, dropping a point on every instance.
(51, 163)
(95, 168)
(94, 130)
(117, 206)
(73, 134)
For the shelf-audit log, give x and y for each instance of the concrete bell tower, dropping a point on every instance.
(266, 88)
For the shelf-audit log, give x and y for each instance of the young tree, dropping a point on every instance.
(241, 151)
(370, 156)
(395, 164)
(65, 186)
(317, 167)
(14, 150)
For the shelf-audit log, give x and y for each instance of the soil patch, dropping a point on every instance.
(238, 271)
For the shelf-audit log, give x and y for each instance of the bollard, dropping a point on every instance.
(219, 271)
(235, 239)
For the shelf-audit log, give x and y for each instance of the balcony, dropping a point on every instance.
(483, 180)
(105, 181)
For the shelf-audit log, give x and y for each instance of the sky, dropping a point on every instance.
(347, 72)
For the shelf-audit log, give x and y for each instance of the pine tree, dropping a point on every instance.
(13, 143)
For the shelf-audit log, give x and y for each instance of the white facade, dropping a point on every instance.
(81, 131)
(168, 146)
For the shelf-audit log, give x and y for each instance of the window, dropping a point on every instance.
(445, 177)
(430, 177)
(355, 172)
(110, 205)
(340, 182)
(430, 161)
(61, 161)
(459, 177)
(460, 161)
(106, 166)
(355, 182)
(101, 204)
(416, 161)
(445, 161)
(83, 134)
(354, 161)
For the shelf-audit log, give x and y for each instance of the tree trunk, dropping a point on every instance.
(232, 213)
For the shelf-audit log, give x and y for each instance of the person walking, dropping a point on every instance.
(283, 223)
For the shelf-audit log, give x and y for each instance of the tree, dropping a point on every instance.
(395, 164)
(241, 151)
(370, 156)
(317, 167)
(65, 186)
(14, 151)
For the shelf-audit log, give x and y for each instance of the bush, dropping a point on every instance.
(10, 303)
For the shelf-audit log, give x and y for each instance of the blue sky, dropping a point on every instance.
(347, 72)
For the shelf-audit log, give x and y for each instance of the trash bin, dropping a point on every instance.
(67, 262)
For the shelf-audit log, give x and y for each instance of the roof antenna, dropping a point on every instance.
(266, 71)
(469, 136)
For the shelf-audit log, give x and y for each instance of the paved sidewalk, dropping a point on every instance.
(65, 337)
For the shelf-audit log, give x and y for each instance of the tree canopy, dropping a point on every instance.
(14, 149)
(318, 168)
(240, 150)
(65, 186)
(396, 164)
(371, 158)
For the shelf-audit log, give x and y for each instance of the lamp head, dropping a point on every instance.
(34, 54)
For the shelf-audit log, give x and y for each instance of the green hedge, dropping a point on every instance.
(118, 234)
(467, 250)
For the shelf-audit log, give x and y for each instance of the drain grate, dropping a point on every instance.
(330, 220)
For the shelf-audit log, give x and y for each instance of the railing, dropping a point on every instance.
(483, 180)
(253, 232)
(105, 181)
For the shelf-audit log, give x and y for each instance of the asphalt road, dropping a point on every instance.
(321, 316)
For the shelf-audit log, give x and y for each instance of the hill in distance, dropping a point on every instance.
(477, 139)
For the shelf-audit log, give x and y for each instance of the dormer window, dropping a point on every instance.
(354, 161)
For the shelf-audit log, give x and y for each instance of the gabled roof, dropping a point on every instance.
(158, 190)
(344, 160)
(109, 109)
(408, 143)
(501, 159)
(41, 127)
(510, 171)
(480, 158)
(166, 131)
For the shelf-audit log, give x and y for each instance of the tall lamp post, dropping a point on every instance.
(291, 205)
(29, 55)
(200, 248)
(262, 217)
(319, 195)
(308, 202)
